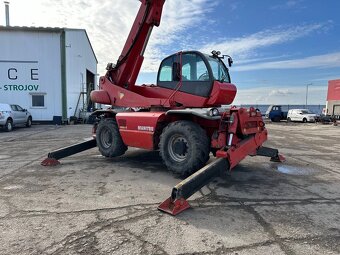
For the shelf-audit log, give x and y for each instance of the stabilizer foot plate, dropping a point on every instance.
(50, 162)
(278, 158)
(174, 207)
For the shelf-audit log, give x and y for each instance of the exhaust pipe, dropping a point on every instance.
(7, 13)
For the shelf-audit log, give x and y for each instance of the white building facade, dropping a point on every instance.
(48, 71)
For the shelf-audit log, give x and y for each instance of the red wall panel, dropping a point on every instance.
(333, 90)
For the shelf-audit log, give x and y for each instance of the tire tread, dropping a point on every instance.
(118, 148)
(201, 147)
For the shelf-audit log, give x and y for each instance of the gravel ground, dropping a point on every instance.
(93, 205)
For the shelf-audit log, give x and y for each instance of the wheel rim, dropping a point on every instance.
(178, 148)
(106, 138)
(29, 122)
(9, 125)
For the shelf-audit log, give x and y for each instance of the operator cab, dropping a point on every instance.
(195, 70)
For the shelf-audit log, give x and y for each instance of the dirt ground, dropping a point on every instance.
(93, 205)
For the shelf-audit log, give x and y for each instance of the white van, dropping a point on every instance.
(303, 115)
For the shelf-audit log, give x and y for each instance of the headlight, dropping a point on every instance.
(213, 112)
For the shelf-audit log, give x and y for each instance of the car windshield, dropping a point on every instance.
(219, 70)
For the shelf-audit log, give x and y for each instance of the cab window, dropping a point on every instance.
(165, 73)
(220, 72)
(188, 68)
(194, 68)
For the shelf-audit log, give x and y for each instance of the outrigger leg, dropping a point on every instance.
(52, 158)
(177, 202)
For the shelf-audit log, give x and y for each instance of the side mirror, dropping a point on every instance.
(230, 61)
(176, 71)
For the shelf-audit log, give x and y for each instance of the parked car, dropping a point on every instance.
(303, 115)
(275, 113)
(325, 119)
(12, 115)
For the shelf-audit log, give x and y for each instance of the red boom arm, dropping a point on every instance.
(125, 72)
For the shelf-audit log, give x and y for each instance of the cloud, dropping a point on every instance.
(285, 95)
(245, 47)
(319, 61)
(178, 16)
(291, 4)
(108, 23)
(280, 92)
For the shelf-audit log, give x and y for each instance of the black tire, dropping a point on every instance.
(304, 120)
(184, 147)
(288, 119)
(9, 125)
(29, 122)
(109, 141)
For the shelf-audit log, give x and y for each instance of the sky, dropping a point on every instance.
(279, 47)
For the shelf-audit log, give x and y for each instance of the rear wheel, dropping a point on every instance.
(109, 141)
(9, 125)
(184, 147)
(29, 122)
(288, 119)
(304, 120)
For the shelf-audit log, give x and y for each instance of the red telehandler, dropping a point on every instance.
(182, 115)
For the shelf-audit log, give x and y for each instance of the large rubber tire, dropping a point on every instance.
(184, 147)
(109, 141)
(29, 122)
(289, 119)
(304, 120)
(9, 125)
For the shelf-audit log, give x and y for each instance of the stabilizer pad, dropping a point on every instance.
(50, 162)
(174, 207)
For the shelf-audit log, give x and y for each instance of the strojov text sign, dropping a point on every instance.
(19, 76)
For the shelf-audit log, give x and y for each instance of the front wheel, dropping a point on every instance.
(9, 126)
(29, 122)
(288, 119)
(304, 120)
(109, 140)
(184, 147)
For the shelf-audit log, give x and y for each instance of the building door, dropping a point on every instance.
(336, 110)
(89, 87)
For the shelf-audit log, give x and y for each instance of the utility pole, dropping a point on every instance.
(309, 84)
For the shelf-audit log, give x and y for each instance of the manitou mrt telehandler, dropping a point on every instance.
(181, 115)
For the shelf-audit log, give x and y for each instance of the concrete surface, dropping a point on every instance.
(93, 205)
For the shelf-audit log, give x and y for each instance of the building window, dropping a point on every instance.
(38, 100)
